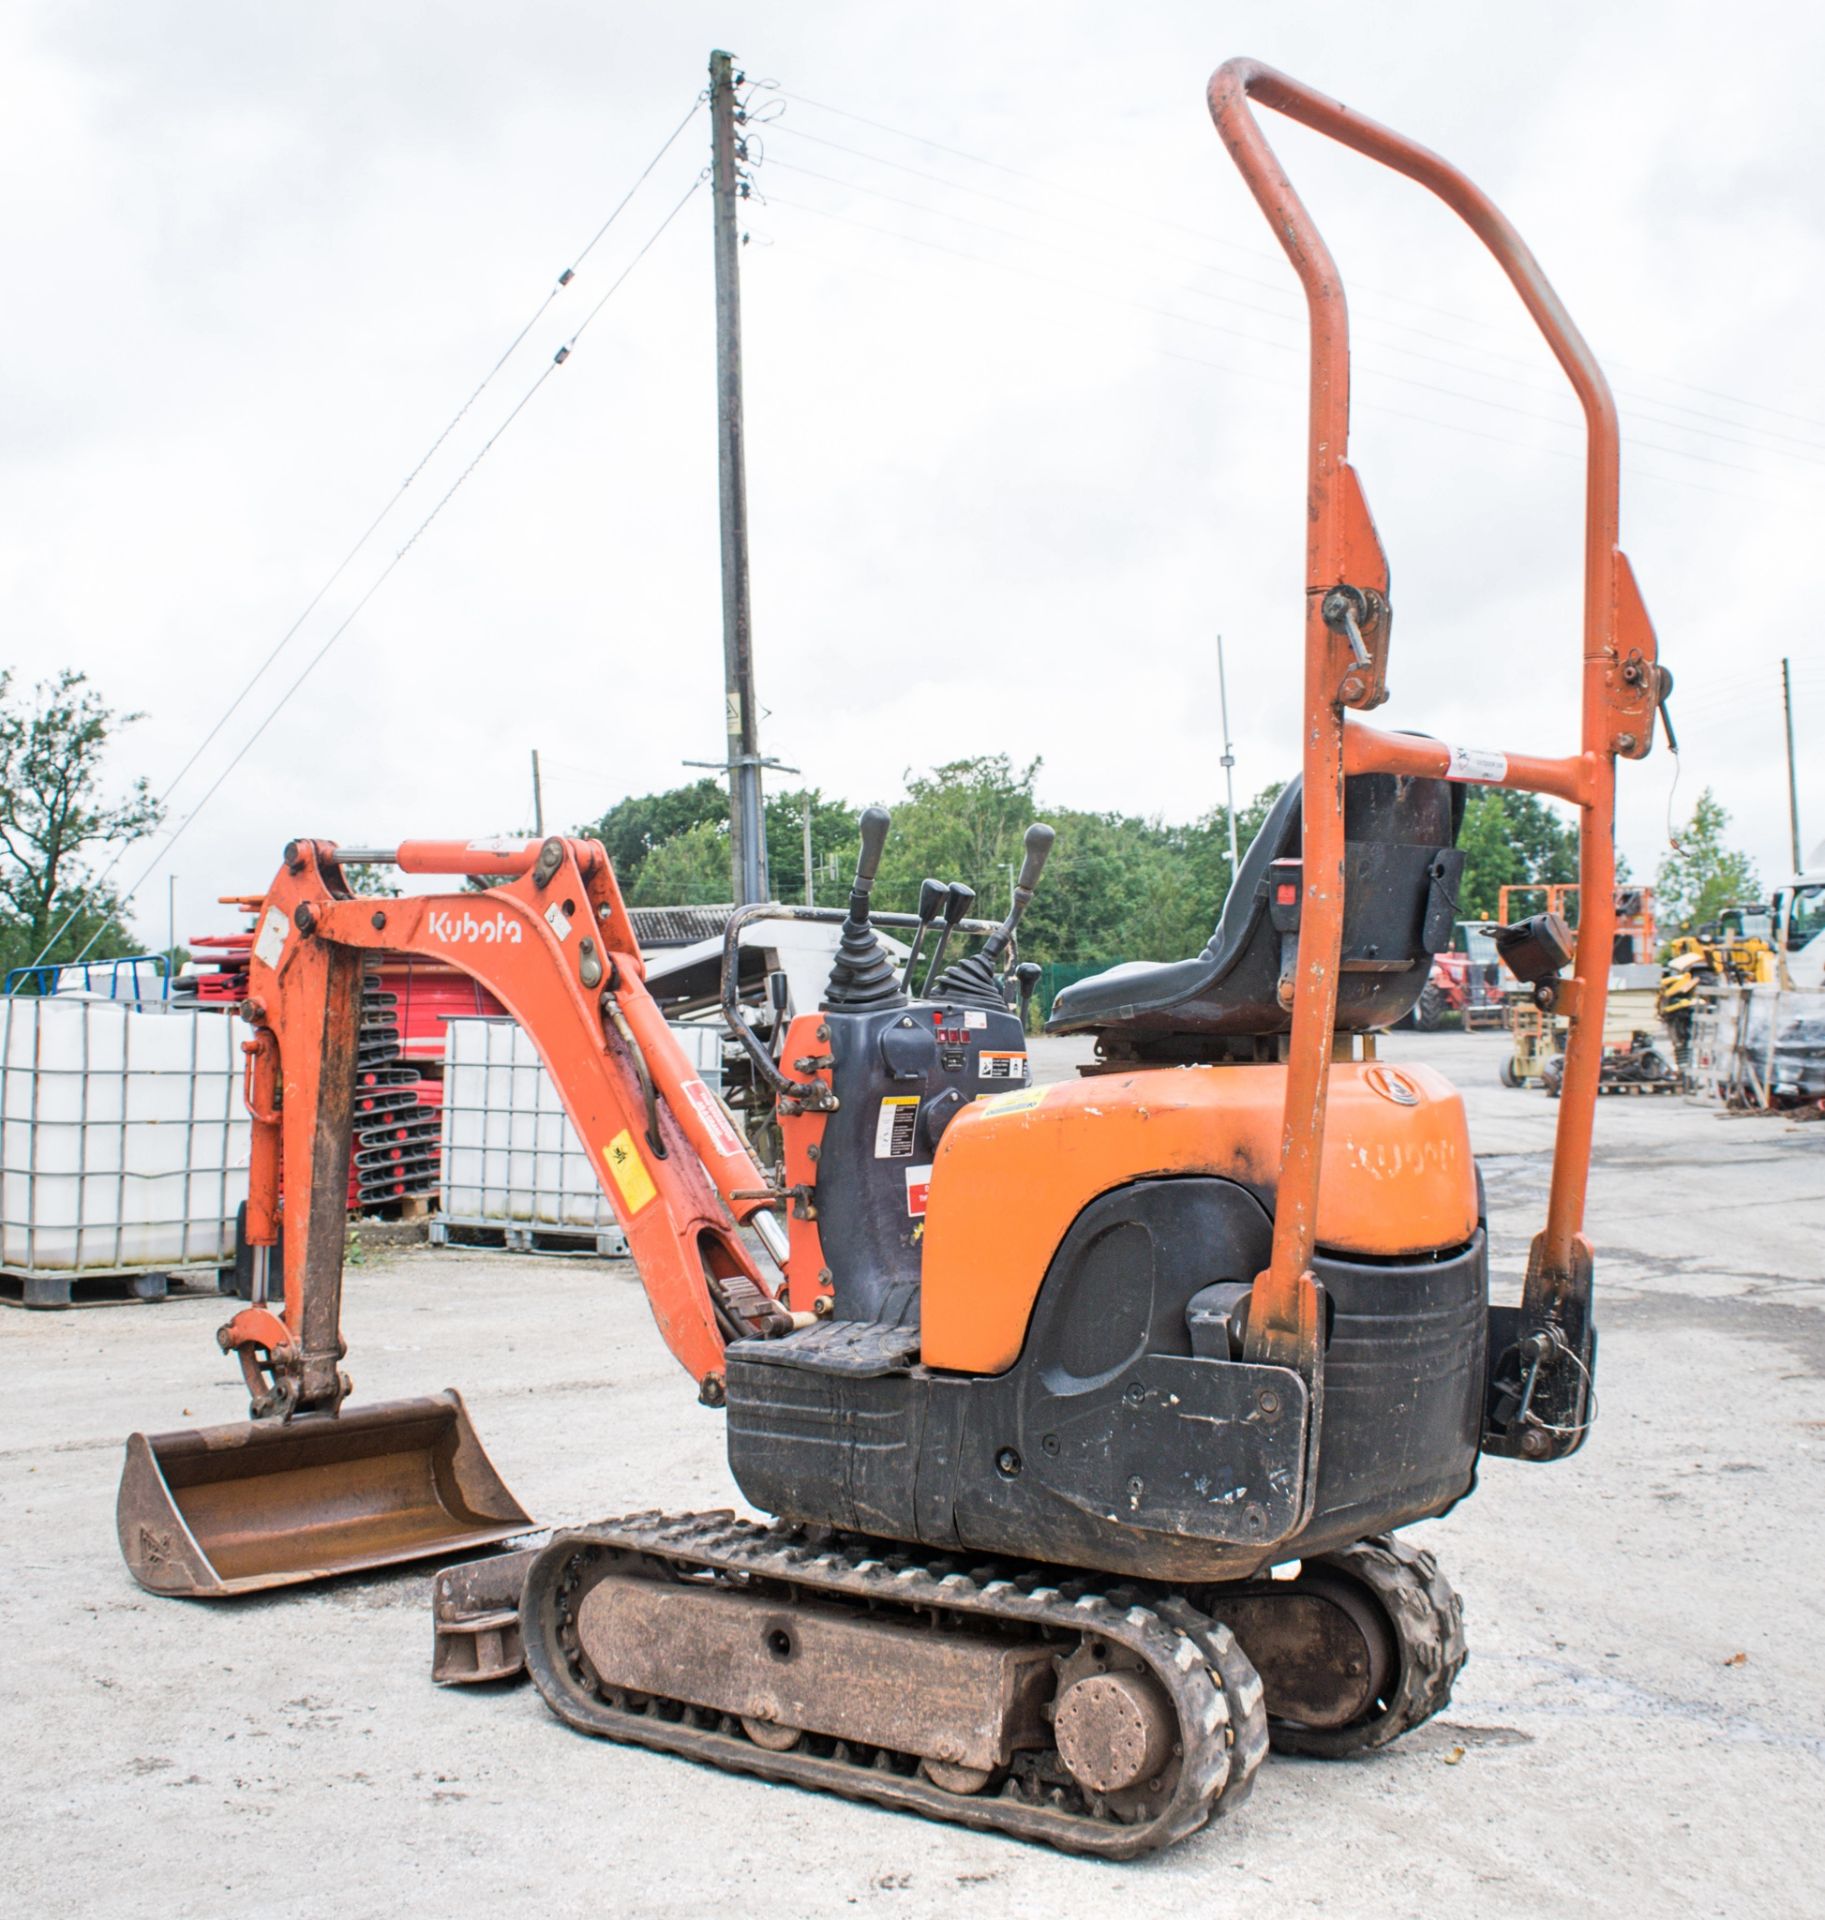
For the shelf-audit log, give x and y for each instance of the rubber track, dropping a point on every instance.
(1214, 1690)
(1428, 1621)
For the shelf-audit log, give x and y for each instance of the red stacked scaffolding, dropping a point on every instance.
(406, 1004)
(395, 1152)
(429, 994)
(221, 968)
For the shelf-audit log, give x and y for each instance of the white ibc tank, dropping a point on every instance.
(511, 1158)
(123, 1136)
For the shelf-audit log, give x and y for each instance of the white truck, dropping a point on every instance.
(1799, 925)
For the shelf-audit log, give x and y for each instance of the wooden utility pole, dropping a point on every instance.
(1793, 778)
(747, 822)
(1229, 762)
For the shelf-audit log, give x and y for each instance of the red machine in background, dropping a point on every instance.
(1465, 981)
(406, 1003)
(1470, 980)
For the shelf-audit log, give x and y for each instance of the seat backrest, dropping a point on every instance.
(1401, 873)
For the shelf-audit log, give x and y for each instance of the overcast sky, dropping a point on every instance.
(1024, 388)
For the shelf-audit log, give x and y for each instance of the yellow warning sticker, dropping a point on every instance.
(632, 1180)
(1014, 1102)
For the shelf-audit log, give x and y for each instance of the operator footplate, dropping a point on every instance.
(1103, 1719)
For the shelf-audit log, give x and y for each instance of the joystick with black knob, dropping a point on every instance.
(1026, 976)
(862, 975)
(974, 979)
(931, 904)
(958, 899)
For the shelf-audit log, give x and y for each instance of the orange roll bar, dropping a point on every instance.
(1347, 630)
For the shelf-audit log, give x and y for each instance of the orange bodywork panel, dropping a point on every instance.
(1014, 1172)
(801, 1136)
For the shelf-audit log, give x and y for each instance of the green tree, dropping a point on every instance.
(833, 842)
(691, 869)
(372, 881)
(1510, 839)
(962, 821)
(1702, 875)
(632, 828)
(55, 815)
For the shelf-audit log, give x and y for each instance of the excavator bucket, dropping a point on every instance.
(265, 1503)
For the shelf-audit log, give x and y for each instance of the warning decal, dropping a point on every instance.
(918, 1185)
(558, 920)
(894, 1130)
(1002, 1066)
(709, 1111)
(632, 1181)
(1021, 1102)
(1476, 763)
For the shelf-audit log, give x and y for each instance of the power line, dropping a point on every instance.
(1815, 450)
(1279, 346)
(1212, 326)
(1258, 253)
(563, 280)
(846, 264)
(342, 566)
(348, 620)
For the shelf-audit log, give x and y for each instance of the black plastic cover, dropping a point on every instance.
(1121, 1438)
(900, 1074)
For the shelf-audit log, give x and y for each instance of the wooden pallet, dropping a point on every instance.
(109, 1289)
(518, 1236)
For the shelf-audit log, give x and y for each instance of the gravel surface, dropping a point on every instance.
(1641, 1727)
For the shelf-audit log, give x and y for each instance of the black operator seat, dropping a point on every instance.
(1401, 872)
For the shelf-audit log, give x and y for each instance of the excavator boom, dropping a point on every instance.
(303, 1491)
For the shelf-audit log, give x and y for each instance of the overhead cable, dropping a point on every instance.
(1261, 253)
(558, 359)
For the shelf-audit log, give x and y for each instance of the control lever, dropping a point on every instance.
(862, 976)
(1039, 845)
(958, 900)
(875, 822)
(779, 995)
(1027, 975)
(974, 979)
(1665, 694)
(931, 899)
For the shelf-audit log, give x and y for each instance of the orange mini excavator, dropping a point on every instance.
(1088, 1413)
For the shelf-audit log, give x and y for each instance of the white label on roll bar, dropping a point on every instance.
(1475, 763)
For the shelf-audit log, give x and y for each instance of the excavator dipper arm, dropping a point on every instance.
(554, 944)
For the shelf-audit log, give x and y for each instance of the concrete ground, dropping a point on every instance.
(1641, 1727)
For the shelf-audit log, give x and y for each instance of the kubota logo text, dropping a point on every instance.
(495, 929)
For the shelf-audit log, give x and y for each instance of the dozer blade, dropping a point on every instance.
(262, 1503)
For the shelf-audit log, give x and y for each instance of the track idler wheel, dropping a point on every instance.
(1362, 1647)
